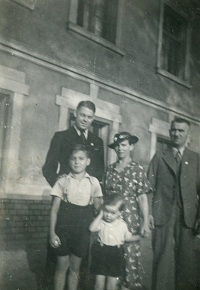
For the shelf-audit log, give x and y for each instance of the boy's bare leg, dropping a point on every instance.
(99, 282)
(124, 288)
(74, 272)
(112, 283)
(62, 266)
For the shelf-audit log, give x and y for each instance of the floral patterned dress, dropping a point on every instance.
(130, 183)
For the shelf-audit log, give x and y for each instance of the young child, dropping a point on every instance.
(71, 215)
(107, 251)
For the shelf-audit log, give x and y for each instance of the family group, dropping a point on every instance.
(100, 215)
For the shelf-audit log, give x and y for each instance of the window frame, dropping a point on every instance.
(12, 84)
(158, 129)
(5, 119)
(72, 26)
(159, 69)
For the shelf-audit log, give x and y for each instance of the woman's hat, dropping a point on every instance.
(119, 137)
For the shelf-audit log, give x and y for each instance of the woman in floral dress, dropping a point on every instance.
(128, 178)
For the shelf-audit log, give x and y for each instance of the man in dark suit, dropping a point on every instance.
(175, 176)
(57, 158)
(57, 161)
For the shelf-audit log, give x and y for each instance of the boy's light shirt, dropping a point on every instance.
(79, 192)
(113, 234)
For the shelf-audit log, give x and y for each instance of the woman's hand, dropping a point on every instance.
(54, 241)
(143, 204)
(144, 230)
(151, 222)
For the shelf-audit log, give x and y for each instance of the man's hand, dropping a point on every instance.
(197, 227)
(54, 241)
(151, 222)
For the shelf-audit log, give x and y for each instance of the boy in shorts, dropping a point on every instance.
(107, 252)
(71, 214)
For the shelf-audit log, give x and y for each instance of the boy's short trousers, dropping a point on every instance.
(73, 229)
(107, 260)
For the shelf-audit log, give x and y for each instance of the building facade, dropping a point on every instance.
(138, 61)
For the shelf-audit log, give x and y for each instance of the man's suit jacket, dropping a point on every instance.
(164, 178)
(59, 151)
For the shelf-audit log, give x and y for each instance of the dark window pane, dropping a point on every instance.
(109, 28)
(172, 22)
(98, 17)
(80, 12)
(173, 56)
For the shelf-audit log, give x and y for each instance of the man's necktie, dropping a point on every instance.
(83, 137)
(178, 156)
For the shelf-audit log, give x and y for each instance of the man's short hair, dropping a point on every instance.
(113, 199)
(88, 104)
(180, 120)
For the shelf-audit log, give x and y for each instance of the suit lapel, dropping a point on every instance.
(72, 136)
(186, 160)
(90, 139)
(170, 160)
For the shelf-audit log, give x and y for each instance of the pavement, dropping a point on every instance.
(24, 268)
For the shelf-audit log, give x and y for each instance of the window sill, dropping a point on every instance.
(30, 4)
(103, 42)
(173, 78)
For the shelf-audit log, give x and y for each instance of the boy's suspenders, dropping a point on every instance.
(91, 193)
(66, 185)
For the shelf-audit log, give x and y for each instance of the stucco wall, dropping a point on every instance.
(45, 30)
(40, 116)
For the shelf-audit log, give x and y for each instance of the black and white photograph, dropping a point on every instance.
(100, 144)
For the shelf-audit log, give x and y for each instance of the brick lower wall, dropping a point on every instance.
(23, 242)
(23, 221)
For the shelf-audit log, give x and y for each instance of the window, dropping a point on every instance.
(99, 21)
(98, 17)
(173, 44)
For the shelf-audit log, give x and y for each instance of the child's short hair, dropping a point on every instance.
(114, 199)
(80, 147)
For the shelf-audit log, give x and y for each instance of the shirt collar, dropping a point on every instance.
(181, 150)
(113, 224)
(79, 132)
(70, 175)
